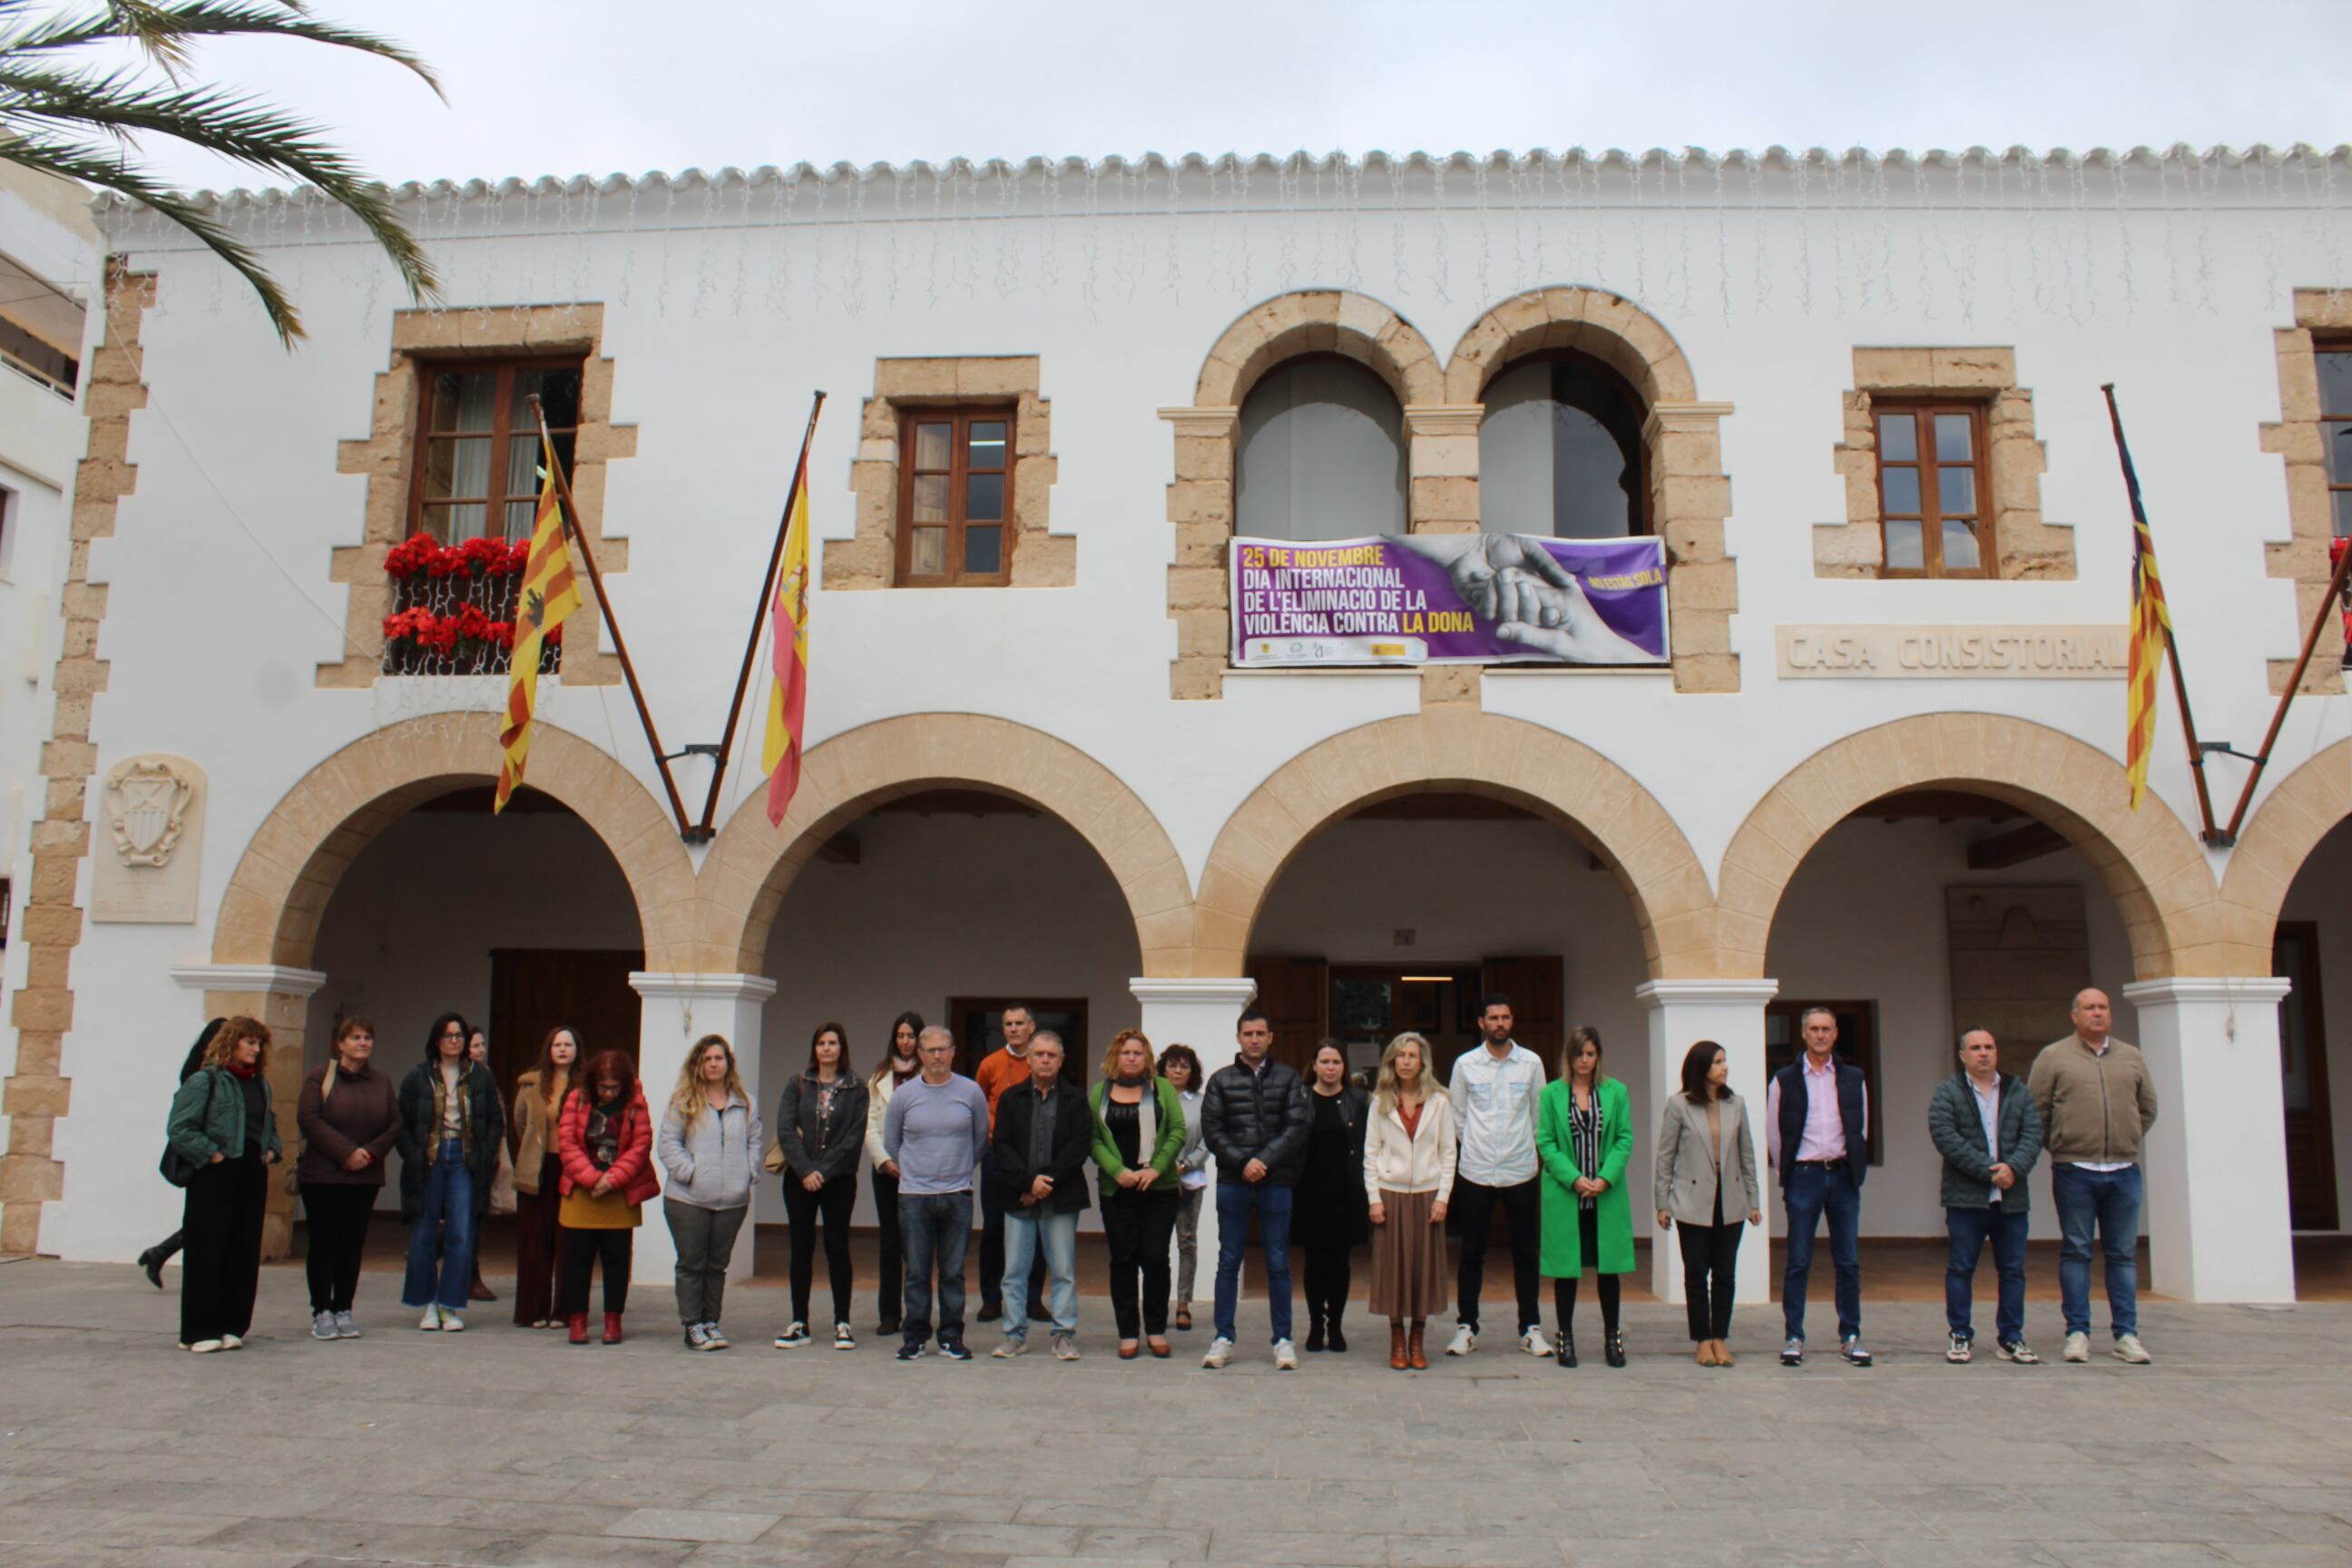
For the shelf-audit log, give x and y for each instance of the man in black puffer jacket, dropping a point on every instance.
(1255, 1118)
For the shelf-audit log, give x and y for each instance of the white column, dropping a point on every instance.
(1202, 1014)
(1731, 1014)
(2215, 1162)
(679, 1010)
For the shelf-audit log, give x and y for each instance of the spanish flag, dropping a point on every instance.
(548, 594)
(2148, 636)
(780, 753)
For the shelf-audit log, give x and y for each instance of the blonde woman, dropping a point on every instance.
(538, 1176)
(1139, 1133)
(709, 1146)
(220, 1142)
(1409, 1152)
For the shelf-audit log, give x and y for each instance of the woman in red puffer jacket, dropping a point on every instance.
(605, 1141)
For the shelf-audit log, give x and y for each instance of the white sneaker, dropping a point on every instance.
(232, 1342)
(2078, 1347)
(346, 1326)
(2129, 1351)
(1534, 1343)
(1009, 1347)
(1464, 1341)
(205, 1347)
(1960, 1351)
(322, 1326)
(1221, 1351)
(1285, 1356)
(431, 1321)
(451, 1324)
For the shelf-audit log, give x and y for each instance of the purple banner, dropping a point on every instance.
(1448, 598)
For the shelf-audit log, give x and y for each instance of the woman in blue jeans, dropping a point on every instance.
(451, 1126)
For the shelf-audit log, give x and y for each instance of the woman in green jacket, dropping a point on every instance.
(222, 1135)
(1584, 1138)
(1139, 1132)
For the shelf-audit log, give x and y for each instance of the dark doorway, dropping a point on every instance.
(1857, 1043)
(1365, 1005)
(586, 990)
(2303, 1075)
(979, 1025)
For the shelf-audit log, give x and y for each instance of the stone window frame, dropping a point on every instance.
(1690, 497)
(2023, 547)
(2297, 437)
(387, 456)
(868, 558)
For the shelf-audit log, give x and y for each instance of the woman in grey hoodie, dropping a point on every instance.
(709, 1147)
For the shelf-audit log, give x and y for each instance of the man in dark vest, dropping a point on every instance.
(1817, 1120)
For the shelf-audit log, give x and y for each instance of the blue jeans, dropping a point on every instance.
(1969, 1229)
(933, 1231)
(444, 1225)
(1810, 1194)
(1236, 1201)
(1023, 1228)
(2107, 1201)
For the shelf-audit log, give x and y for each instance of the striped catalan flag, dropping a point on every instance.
(548, 594)
(780, 751)
(2149, 632)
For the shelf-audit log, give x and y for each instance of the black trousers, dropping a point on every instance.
(222, 1269)
(582, 1250)
(891, 1289)
(993, 1201)
(335, 1216)
(1523, 1215)
(1563, 1292)
(1710, 1264)
(833, 1202)
(1139, 1226)
(1329, 1277)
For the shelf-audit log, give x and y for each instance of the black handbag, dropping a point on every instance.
(181, 1169)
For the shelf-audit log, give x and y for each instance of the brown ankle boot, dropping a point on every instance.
(1414, 1355)
(611, 1328)
(1397, 1359)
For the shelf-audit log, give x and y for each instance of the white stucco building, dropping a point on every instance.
(1882, 767)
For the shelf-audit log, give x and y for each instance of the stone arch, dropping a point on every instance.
(270, 912)
(1318, 321)
(2280, 837)
(1609, 327)
(753, 863)
(1455, 749)
(2149, 861)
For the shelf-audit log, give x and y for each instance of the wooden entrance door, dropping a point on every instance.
(2302, 1071)
(1534, 986)
(585, 989)
(1296, 994)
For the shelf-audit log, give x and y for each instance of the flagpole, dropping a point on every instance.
(2327, 603)
(2211, 835)
(758, 613)
(596, 582)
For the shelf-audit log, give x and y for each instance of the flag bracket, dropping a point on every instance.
(2227, 749)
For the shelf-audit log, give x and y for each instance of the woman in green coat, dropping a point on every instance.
(1584, 1138)
(219, 1143)
(1138, 1131)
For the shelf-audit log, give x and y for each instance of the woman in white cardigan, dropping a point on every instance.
(1408, 1176)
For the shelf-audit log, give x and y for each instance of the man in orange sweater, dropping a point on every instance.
(997, 1072)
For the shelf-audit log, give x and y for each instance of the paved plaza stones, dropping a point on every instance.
(506, 1447)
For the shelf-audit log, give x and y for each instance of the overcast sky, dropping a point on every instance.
(562, 87)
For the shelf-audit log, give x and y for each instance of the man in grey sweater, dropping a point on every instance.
(935, 1129)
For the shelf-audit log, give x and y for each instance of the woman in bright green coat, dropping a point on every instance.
(1584, 1138)
(1139, 1132)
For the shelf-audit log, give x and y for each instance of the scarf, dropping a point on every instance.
(246, 1071)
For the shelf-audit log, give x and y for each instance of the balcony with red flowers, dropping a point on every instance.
(453, 606)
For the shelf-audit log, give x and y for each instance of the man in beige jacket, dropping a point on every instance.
(2097, 1104)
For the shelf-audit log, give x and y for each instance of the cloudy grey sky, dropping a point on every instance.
(566, 87)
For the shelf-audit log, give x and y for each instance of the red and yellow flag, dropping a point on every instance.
(548, 594)
(779, 752)
(2151, 624)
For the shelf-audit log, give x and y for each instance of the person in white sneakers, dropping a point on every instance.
(1495, 1092)
(2096, 1105)
(1255, 1120)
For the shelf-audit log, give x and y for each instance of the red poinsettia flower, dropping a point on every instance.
(411, 555)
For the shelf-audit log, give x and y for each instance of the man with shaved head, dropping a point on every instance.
(2096, 1105)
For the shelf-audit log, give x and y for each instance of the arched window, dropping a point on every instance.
(1322, 453)
(1559, 451)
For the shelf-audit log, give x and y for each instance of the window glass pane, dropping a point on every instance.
(2339, 450)
(983, 549)
(454, 524)
(930, 497)
(2344, 514)
(931, 443)
(1321, 454)
(463, 400)
(523, 465)
(1905, 551)
(1902, 491)
(1558, 453)
(559, 394)
(988, 444)
(983, 498)
(1954, 443)
(929, 556)
(1960, 544)
(1898, 437)
(1956, 491)
(457, 467)
(2336, 383)
(520, 516)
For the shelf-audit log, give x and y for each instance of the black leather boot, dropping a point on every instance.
(1567, 1354)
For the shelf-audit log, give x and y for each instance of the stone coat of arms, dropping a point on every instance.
(147, 808)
